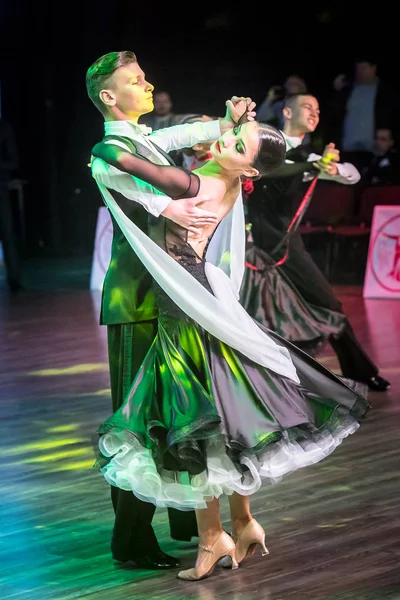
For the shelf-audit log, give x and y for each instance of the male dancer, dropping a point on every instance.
(270, 211)
(118, 88)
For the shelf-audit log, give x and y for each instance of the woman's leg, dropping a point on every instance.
(246, 531)
(240, 512)
(209, 523)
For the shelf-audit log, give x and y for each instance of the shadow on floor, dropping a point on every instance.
(56, 274)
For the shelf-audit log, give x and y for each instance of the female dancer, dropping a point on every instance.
(220, 402)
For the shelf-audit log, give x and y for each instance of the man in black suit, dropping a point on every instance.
(270, 211)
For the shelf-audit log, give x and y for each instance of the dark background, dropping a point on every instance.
(202, 53)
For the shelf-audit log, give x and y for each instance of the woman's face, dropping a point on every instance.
(237, 148)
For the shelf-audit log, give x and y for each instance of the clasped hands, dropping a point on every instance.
(239, 110)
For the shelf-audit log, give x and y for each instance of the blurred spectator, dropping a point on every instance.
(358, 106)
(195, 157)
(8, 164)
(270, 110)
(162, 115)
(384, 167)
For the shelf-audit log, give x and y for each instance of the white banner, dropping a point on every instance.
(102, 248)
(382, 277)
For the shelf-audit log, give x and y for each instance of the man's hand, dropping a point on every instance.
(330, 153)
(237, 109)
(275, 93)
(340, 82)
(327, 163)
(328, 168)
(187, 214)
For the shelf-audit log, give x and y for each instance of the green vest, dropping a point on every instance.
(127, 295)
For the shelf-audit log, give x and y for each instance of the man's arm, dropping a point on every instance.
(189, 134)
(154, 201)
(184, 212)
(345, 173)
(289, 169)
(176, 182)
(186, 135)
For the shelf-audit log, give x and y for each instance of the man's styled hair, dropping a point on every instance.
(99, 74)
(291, 101)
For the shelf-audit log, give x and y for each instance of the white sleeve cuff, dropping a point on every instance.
(212, 129)
(159, 204)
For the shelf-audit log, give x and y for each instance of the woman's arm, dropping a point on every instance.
(176, 182)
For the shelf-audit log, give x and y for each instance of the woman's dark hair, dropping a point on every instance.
(272, 150)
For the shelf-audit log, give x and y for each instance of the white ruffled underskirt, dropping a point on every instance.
(132, 468)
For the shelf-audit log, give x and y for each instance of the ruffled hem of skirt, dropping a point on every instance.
(129, 465)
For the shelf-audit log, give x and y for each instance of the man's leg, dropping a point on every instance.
(133, 536)
(183, 524)
(132, 516)
(127, 347)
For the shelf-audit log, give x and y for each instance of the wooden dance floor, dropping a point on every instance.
(333, 530)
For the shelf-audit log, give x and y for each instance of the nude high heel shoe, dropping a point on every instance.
(207, 558)
(252, 536)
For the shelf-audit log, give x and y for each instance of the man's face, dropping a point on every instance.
(304, 114)
(129, 91)
(383, 141)
(364, 72)
(162, 104)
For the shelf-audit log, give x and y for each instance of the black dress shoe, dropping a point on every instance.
(378, 384)
(151, 559)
